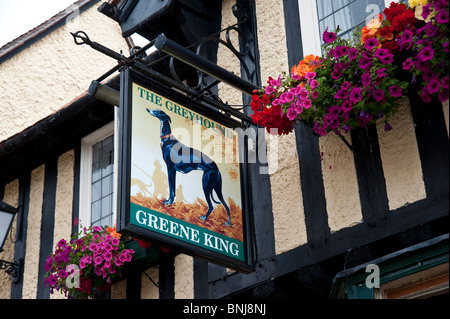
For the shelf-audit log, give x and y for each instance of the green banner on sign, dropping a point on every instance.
(186, 232)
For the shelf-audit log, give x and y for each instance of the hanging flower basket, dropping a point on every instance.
(359, 81)
(87, 266)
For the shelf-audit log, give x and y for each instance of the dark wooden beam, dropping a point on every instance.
(381, 227)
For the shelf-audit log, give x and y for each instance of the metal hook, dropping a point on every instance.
(81, 35)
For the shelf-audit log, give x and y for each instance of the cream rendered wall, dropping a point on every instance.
(184, 277)
(446, 114)
(119, 290)
(401, 160)
(148, 289)
(340, 182)
(35, 83)
(31, 263)
(53, 71)
(11, 197)
(64, 202)
(287, 203)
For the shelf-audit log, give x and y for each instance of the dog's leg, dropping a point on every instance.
(218, 189)
(171, 172)
(207, 190)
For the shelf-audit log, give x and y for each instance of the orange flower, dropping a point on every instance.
(308, 64)
(112, 232)
(372, 28)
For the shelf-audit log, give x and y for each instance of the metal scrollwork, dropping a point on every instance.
(11, 269)
(202, 85)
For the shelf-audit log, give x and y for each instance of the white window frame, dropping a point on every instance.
(86, 158)
(309, 23)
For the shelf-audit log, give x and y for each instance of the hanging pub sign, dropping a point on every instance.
(182, 174)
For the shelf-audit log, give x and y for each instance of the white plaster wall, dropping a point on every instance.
(340, 182)
(53, 71)
(11, 197)
(287, 202)
(148, 289)
(400, 158)
(446, 114)
(63, 202)
(184, 277)
(31, 268)
(119, 290)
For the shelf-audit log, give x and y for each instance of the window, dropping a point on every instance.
(102, 182)
(347, 14)
(317, 15)
(97, 182)
(430, 283)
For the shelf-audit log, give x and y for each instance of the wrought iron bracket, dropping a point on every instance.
(141, 60)
(12, 268)
(134, 61)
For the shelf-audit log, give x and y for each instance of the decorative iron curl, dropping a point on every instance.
(201, 85)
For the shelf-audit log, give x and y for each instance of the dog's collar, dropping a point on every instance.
(166, 136)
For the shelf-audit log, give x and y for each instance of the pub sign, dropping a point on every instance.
(182, 174)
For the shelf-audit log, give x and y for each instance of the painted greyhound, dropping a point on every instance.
(184, 159)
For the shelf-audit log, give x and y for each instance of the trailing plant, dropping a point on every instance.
(359, 81)
(86, 266)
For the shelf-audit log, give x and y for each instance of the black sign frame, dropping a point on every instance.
(124, 224)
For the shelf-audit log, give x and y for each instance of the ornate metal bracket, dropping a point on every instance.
(12, 268)
(203, 90)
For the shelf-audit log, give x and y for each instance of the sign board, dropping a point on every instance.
(182, 174)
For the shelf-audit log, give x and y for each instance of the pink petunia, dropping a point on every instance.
(355, 95)
(371, 43)
(366, 79)
(98, 260)
(340, 94)
(310, 75)
(426, 11)
(269, 89)
(443, 95)
(380, 53)
(442, 17)
(352, 54)
(387, 59)
(275, 82)
(286, 97)
(365, 63)
(314, 84)
(345, 86)
(433, 86)
(407, 36)
(291, 113)
(395, 91)
(329, 37)
(378, 95)
(425, 96)
(407, 65)
(303, 94)
(426, 54)
(307, 103)
(96, 229)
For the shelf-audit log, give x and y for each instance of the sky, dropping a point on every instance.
(19, 16)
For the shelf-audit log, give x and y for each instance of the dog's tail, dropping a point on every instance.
(215, 201)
